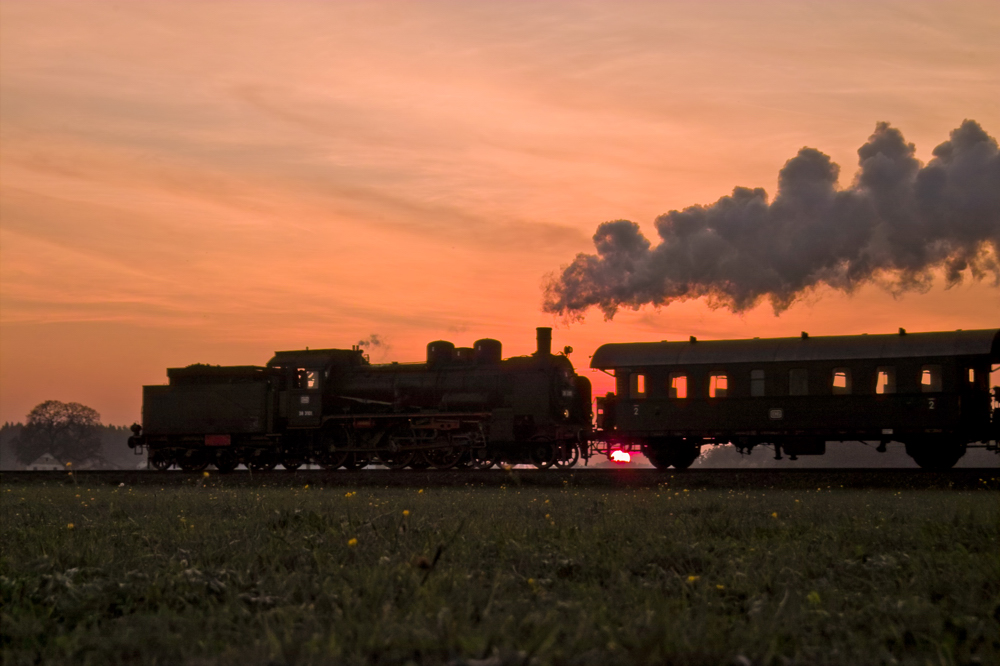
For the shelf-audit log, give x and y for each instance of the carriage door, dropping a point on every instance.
(305, 399)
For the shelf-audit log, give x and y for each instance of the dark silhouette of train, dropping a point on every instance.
(469, 407)
(930, 391)
(464, 406)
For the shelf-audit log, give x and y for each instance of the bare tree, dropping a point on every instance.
(68, 431)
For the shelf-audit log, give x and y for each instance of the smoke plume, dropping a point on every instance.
(897, 223)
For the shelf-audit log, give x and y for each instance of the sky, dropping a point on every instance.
(208, 182)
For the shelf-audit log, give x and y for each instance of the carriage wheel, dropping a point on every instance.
(226, 460)
(291, 464)
(543, 453)
(659, 457)
(193, 461)
(934, 454)
(683, 457)
(572, 456)
(161, 460)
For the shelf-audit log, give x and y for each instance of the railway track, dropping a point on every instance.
(800, 479)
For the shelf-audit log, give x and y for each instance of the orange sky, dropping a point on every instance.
(190, 182)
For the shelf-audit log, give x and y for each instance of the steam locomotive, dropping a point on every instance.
(469, 407)
(464, 406)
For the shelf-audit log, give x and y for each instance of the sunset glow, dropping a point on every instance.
(211, 182)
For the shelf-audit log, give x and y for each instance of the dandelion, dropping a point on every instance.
(720, 587)
(69, 464)
(305, 487)
(693, 579)
(774, 515)
(406, 512)
(420, 491)
(813, 598)
(352, 542)
(70, 526)
(531, 582)
(206, 474)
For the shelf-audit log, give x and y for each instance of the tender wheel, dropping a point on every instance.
(568, 455)
(226, 460)
(161, 460)
(192, 461)
(291, 462)
(543, 454)
(263, 461)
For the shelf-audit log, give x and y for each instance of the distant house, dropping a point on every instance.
(45, 463)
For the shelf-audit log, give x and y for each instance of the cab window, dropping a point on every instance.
(718, 385)
(678, 385)
(306, 379)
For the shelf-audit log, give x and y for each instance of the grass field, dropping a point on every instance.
(200, 573)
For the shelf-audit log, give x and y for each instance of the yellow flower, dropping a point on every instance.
(531, 582)
(352, 542)
(720, 587)
(406, 512)
(420, 491)
(206, 474)
(306, 487)
(693, 579)
(69, 464)
(70, 526)
(813, 597)
(774, 515)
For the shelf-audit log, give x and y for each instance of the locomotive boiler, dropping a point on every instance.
(462, 406)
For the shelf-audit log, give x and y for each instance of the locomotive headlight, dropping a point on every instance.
(565, 413)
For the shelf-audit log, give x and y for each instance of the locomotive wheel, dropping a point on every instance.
(395, 460)
(419, 461)
(331, 460)
(193, 461)
(568, 456)
(481, 458)
(226, 461)
(444, 457)
(161, 460)
(543, 453)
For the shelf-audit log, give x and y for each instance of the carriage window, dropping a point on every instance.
(757, 383)
(798, 382)
(638, 385)
(886, 381)
(841, 381)
(718, 385)
(678, 385)
(972, 375)
(306, 379)
(930, 379)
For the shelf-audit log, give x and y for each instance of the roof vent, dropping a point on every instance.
(693, 339)
(902, 331)
(805, 336)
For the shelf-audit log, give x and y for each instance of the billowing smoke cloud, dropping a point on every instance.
(897, 222)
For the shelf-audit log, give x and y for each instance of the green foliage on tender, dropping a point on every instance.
(245, 576)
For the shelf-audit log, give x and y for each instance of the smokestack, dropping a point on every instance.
(544, 337)
(896, 224)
